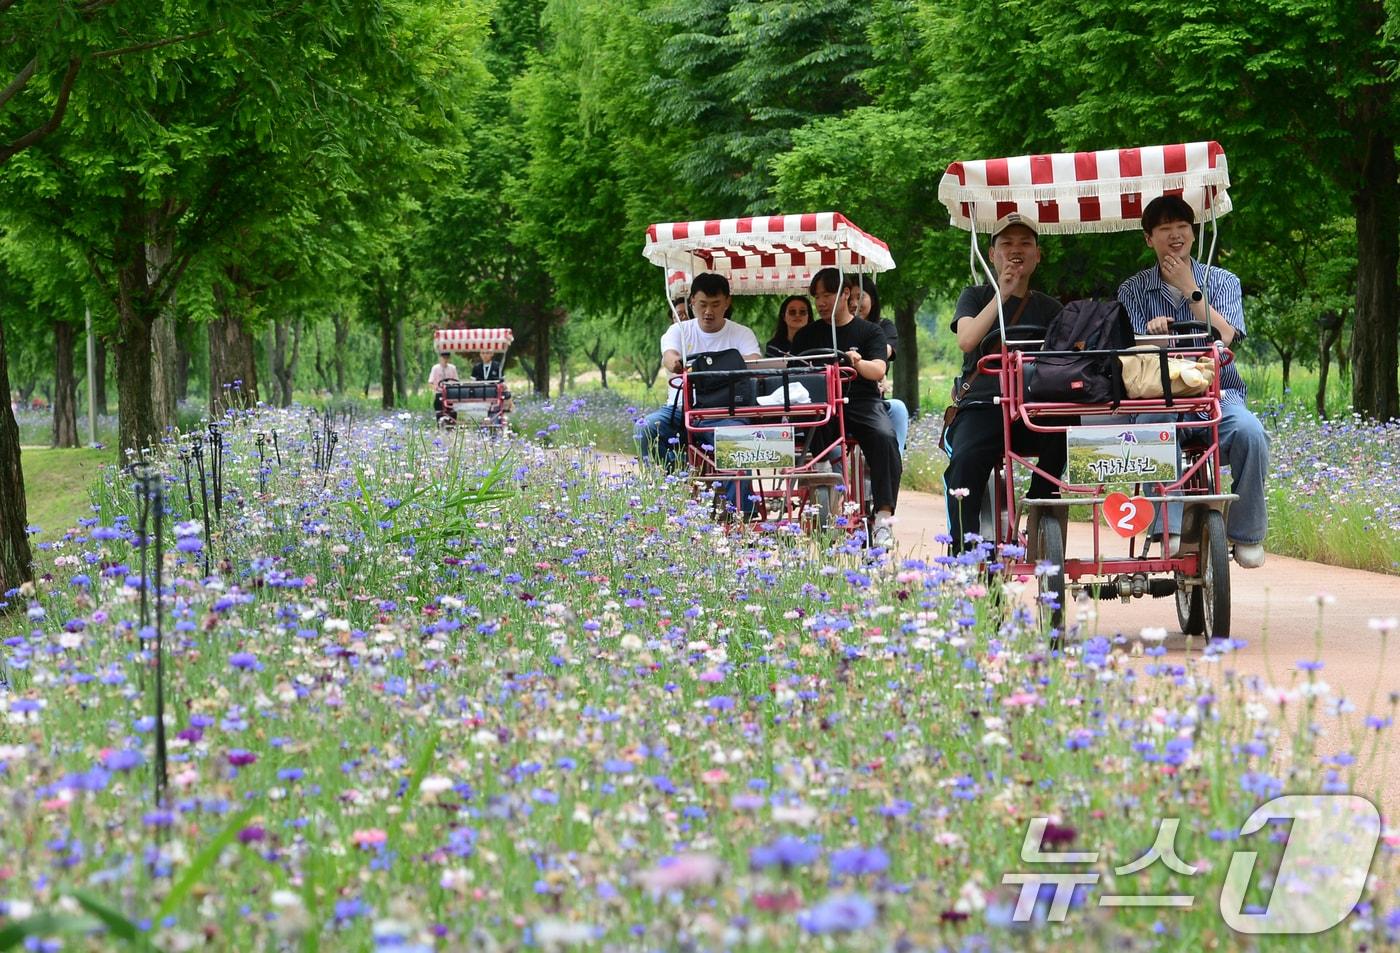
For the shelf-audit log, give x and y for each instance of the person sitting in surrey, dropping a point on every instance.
(868, 308)
(443, 370)
(867, 419)
(794, 314)
(709, 328)
(1180, 289)
(490, 366)
(974, 438)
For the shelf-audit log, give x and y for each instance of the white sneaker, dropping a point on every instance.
(882, 534)
(1249, 555)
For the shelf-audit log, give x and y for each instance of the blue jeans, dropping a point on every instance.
(1244, 447)
(660, 439)
(899, 416)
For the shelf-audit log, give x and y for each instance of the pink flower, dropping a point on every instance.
(712, 676)
(370, 837)
(715, 776)
(679, 873)
(1021, 700)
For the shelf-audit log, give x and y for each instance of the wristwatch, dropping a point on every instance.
(1197, 296)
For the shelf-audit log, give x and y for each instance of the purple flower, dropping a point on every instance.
(123, 760)
(244, 660)
(240, 758)
(854, 861)
(785, 852)
(252, 834)
(838, 914)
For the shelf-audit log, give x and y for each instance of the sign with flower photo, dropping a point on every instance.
(1119, 455)
(754, 448)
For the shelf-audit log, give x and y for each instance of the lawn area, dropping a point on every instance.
(57, 485)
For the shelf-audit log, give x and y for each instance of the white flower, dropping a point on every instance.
(1152, 634)
(1384, 626)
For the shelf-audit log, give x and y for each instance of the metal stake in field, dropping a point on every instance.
(216, 466)
(197, 449)
(150, 497)
(259, 440)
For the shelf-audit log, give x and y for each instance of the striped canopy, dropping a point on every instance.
(1086, 191)
(766, 254)
(472, 340)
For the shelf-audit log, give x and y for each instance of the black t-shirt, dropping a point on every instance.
(778, 346)
(863, 336)
(1040, 309)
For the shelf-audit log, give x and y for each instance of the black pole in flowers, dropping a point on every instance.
(259, 440)
(216, 466)
(197, 448)
(150, 492)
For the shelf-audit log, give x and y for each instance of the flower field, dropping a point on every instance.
(441, 693)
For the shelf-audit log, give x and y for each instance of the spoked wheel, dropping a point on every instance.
(1050, 548)
(1205, 607)
(1215, 576)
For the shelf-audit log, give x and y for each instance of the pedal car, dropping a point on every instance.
(1122, 471)
(480, 397)
(786, 477)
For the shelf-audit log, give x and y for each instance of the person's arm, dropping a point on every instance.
(1014, 281)
(1179, 273)
(671, 350)
(868, 358)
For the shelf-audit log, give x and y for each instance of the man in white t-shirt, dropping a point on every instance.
(658, 436)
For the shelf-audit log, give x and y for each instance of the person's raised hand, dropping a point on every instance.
(1176, 271)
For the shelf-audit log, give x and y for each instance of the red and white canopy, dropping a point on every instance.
(472, 340)
(1086, 191)
(769, 253)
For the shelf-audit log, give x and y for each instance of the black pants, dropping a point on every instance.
(975, 449)
(869, 423)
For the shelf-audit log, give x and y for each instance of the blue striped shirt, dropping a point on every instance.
(1147, 296)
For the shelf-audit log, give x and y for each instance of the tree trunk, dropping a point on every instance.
(284, 365)
(15, 557)
(1331, 330)
(99, 375)
(65, 390)
(540, 380)
(233, 365)
(906, 365)
(386, 362)
(1287, 369)
(341, 323)
(400, 362)
(164, 369)
(1373, 340)
(137, 425)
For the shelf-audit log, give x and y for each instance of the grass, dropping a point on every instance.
(57, 485)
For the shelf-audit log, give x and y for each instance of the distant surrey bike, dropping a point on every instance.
(1112, 466)
(790, 476)
(483, 404)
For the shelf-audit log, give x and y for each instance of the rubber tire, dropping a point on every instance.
(1050, 547)
(1190, 602)
(1215, 576)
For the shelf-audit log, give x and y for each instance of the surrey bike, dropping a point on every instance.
(791, 457)
(1123, 471)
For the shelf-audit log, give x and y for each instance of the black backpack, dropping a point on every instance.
(1076, 363)
(720, 379)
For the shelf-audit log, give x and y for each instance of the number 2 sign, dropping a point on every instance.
(1127, 516)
